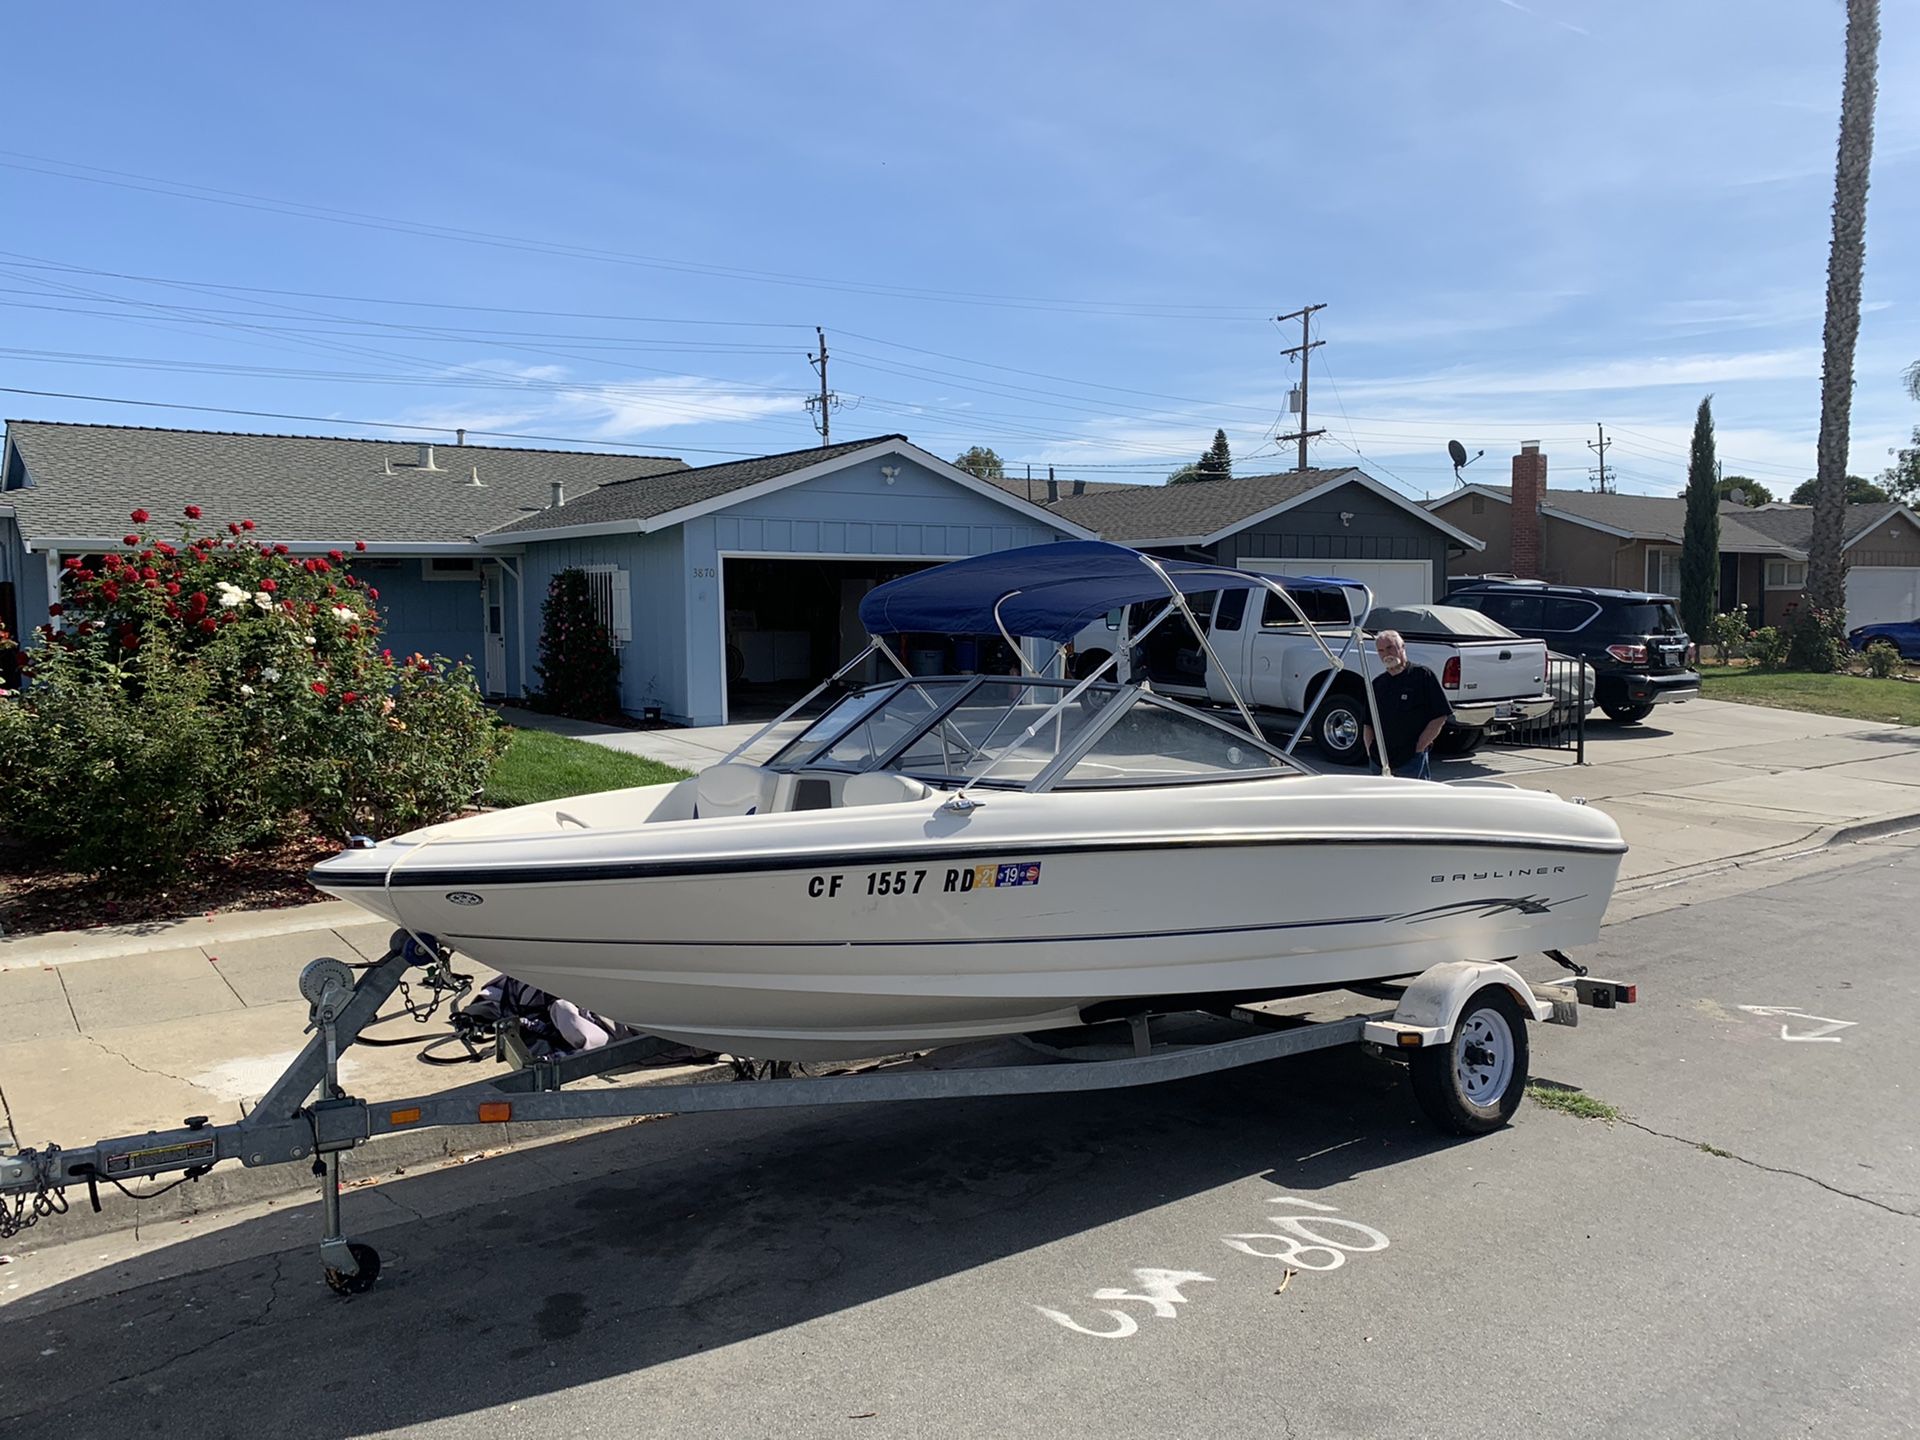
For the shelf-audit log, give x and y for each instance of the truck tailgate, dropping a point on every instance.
(1500, 669)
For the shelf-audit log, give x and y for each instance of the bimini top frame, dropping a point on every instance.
(1051, 592)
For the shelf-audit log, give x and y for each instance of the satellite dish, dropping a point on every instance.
(1457, 453)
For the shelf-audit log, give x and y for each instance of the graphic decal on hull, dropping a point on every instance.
(1487, 908)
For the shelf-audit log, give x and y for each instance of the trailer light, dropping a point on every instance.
(493, 1111)
(409, 1116)
(1407, 1040)
(1629, 994)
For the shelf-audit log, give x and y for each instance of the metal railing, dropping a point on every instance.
(1564, 728)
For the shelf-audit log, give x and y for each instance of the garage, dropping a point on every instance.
(1393, 582)
(1879, 594)
(790, 623)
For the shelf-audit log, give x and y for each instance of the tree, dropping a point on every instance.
(1751, 490)
(1217, 462)
(982, 464)
(579, 668)
(1846, 262)
(1901, 480)
(1857, 492)
(1700, 542)
(1185, 475)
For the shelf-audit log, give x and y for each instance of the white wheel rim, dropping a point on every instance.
(1341, 730)
(1483, 1056)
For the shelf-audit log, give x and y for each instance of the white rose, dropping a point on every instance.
(309, 639)
(263, 600)
(342, 613)
(269, 674)
(246, 689)
(230, 595)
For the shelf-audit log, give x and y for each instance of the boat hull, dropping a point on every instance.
(923, 929)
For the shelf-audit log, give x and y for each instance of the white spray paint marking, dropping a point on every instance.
(1825, 1032)
(1293, 1238)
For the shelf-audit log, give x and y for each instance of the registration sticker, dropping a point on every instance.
(1001, 875)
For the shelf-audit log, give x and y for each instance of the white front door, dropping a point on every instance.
(493, 605)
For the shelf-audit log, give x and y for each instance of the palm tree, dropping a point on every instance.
(1826, 573)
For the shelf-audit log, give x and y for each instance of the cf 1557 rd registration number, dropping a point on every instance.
(948, 880)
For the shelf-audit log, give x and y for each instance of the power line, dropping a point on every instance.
(1304, 350)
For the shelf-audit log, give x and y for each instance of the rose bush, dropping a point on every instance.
(199, 696)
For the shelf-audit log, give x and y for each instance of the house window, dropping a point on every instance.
(1786, 575)
(1663, 570)
(449, 567)
(612, 600)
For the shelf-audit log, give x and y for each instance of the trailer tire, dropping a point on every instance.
(368, 1259)
(1473, 1084)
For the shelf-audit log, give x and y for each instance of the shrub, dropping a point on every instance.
(1883, 660)
(210, 695)
(1728, 633)
(579, 668)
(1768, 646)
(1817, 641)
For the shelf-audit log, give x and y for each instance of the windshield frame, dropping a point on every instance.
(1122, 699)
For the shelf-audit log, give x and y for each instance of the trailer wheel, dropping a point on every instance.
(1474, 1083)
(368, 1259)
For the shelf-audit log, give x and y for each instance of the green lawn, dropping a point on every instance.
(539, 766)
(1856, 697)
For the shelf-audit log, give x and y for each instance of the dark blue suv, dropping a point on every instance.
(1640, 655)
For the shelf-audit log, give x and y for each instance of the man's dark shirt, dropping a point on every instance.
(1407, 701)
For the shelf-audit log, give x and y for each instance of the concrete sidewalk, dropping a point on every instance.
(122, 1030)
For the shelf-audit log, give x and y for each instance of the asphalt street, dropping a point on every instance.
(1283, 1251)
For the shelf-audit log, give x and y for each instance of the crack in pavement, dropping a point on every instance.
(273, 1298)
(143, 1069)
(1723, 1154)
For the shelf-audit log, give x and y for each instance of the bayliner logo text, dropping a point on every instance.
(1501, 874)
(463, 897)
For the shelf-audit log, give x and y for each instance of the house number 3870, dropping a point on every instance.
(704, 572)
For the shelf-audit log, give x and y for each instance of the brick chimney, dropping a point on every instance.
(1529, 489)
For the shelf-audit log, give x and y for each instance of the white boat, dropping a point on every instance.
(937, 860)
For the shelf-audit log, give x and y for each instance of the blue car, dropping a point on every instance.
(1904, 636)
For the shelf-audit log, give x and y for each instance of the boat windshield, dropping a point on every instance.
(965, 729)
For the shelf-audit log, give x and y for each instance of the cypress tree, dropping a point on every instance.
(1700, 543)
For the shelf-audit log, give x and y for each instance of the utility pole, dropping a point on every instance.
(1602, 480)
(1304, 350)
(822, 406)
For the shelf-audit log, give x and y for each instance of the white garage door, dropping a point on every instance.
(1394, 582)
(1879, 593)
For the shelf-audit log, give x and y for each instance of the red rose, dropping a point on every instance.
(336, 557)
(319, 687)
(232, 529)
(173, 587)
(279, 549)
(349, 697)
(140, 517)
(269, 586)
(197, 603)
(56, 610)
(246, 524)
(321, 567)
(333, 590)
(129, 539)
(193, 512)
(372, 594)
(109, 589)
(387, 655)
(208, 626)
(165, 549)
(72, 562)
(359, 544)
(147, 572)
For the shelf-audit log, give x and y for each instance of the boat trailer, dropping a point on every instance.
(1460, 1026)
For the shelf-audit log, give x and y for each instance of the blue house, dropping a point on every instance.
(728, 588)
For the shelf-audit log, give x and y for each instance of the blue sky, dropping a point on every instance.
(1058, 230)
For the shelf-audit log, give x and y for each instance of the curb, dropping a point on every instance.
(65, 947)
(1822, 838)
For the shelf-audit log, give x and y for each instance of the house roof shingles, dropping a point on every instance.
(1774, 528)
(1135, 514)
(298, 488)
(646, 496)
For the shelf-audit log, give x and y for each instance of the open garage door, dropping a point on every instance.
(1878, 594)
(1393, 582)
(790, 623)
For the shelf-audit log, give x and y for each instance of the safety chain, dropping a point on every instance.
(27, 1209)
(444, 982)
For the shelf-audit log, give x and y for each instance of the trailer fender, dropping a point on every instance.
(1431, 1005)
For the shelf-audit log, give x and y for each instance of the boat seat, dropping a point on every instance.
(881, 787)
(731, 790)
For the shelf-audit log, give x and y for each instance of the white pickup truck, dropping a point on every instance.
(1278, 666)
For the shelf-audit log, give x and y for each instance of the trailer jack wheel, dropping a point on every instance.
(366, 1260)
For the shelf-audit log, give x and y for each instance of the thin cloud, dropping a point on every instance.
(1563, 24)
